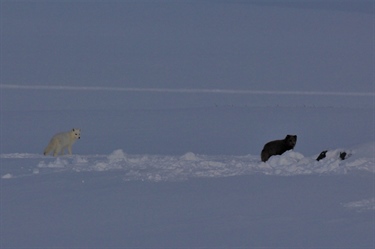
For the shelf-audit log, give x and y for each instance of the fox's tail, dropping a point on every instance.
(48, 149)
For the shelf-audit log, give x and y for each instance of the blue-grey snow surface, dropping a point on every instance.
(175, 101)
(122, 201)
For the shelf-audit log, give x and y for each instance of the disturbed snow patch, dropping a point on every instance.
(58, 163)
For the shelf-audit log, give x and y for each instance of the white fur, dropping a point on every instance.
(61, 141)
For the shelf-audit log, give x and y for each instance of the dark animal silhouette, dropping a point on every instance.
(278, 147)
(343, 155)
(321, 155)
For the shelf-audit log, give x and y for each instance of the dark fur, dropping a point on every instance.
(322, 155)
(278, 147)
(343, 155)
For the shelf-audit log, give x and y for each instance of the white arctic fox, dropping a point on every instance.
(61, 141)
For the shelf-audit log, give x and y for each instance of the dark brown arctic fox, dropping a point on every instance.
(278, 147)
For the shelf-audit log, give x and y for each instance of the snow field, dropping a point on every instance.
(175, 102)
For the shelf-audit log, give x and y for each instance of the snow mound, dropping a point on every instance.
(6, 176)
(190, 165)
(190, 156)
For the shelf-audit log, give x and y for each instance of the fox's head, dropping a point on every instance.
(291, 140)
(76, 133)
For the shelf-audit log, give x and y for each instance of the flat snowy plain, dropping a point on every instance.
(175, 102)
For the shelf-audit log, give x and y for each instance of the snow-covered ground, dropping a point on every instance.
(122, 201)
(175, 102)
(191, 199)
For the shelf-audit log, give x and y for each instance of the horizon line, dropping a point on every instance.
(183, 90)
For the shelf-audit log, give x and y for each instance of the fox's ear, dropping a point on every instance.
(73, 129)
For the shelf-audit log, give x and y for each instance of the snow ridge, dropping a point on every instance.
(190, 165)
(182, 90)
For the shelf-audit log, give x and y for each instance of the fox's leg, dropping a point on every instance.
(57, 150)
(62, 151)
(70, 149)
